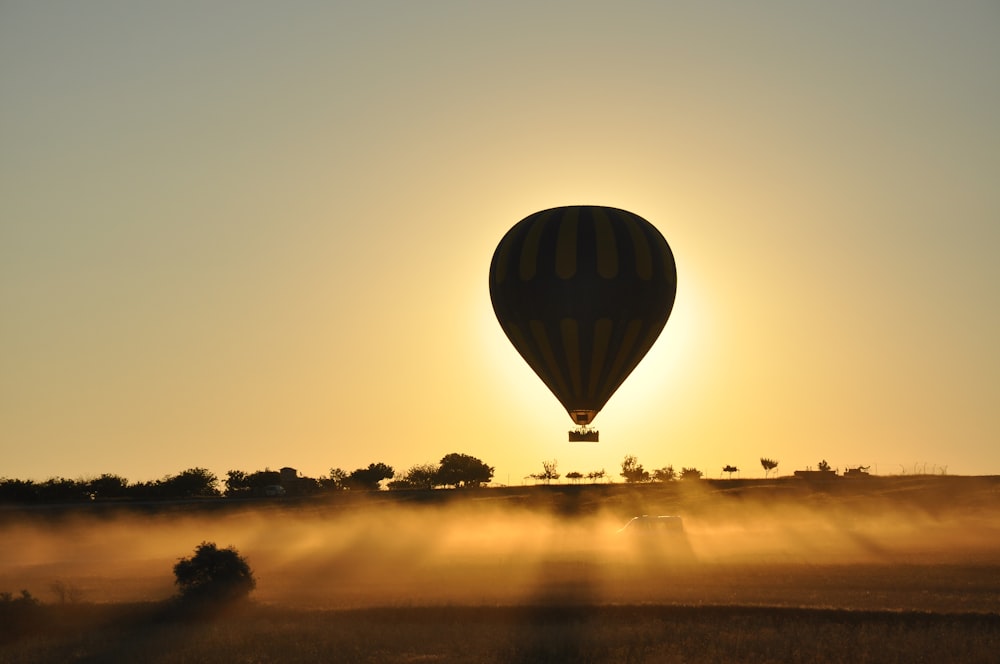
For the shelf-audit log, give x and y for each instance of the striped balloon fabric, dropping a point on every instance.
(582, 292)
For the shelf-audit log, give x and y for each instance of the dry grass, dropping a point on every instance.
(131, 633)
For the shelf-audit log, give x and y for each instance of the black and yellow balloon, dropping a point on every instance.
(582, 292)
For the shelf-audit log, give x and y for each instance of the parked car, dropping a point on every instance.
(653, 525)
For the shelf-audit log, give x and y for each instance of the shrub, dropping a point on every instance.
(18, 615)
(214, 575)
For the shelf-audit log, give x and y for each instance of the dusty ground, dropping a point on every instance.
(924, 544)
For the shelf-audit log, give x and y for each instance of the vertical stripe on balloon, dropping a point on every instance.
(625, 350)
(529, 252)
(499, 267)
(598, 354)
(643, 259)
(566, 244)
(607, 248)
(541, 338)
(522, 345)
(571, 346)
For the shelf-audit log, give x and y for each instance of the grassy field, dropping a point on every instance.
(879, 570)
(151, 633)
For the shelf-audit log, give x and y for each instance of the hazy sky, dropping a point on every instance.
(243, 234)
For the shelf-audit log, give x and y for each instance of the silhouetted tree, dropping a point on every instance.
(632, 470)
(462, 470)
(768, 465)
(302, 485)
(191, 483)
(421, 476)
(335, 481)
(730, 469)
(66, 593)
(26, 599)
(574, 476)
(214, 575)
(146, 490)
(369, 478)
(18, 491)
(595, 475)
(108, 486)
(665, 474)
(548, 473)
(237, 483)
(690, 474)
(61, 489)
(19, 616)
(259, 480)
(823, 466)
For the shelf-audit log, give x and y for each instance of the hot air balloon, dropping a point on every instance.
(582, 292)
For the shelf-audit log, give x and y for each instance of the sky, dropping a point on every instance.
(248, 235)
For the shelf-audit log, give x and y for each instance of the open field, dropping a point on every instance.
(143, 633)
(877, 569)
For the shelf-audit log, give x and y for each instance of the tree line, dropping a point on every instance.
(454, 470)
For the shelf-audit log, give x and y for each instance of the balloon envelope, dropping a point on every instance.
(582, 292)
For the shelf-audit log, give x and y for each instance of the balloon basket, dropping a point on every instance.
(583, 435)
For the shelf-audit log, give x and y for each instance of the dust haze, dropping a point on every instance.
(921, 546)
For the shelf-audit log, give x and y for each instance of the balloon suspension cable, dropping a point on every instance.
(583, 434)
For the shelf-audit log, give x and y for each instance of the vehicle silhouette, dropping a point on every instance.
(653, 525)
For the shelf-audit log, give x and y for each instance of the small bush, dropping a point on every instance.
(18, 614)
(214, 575)
(26, 599)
